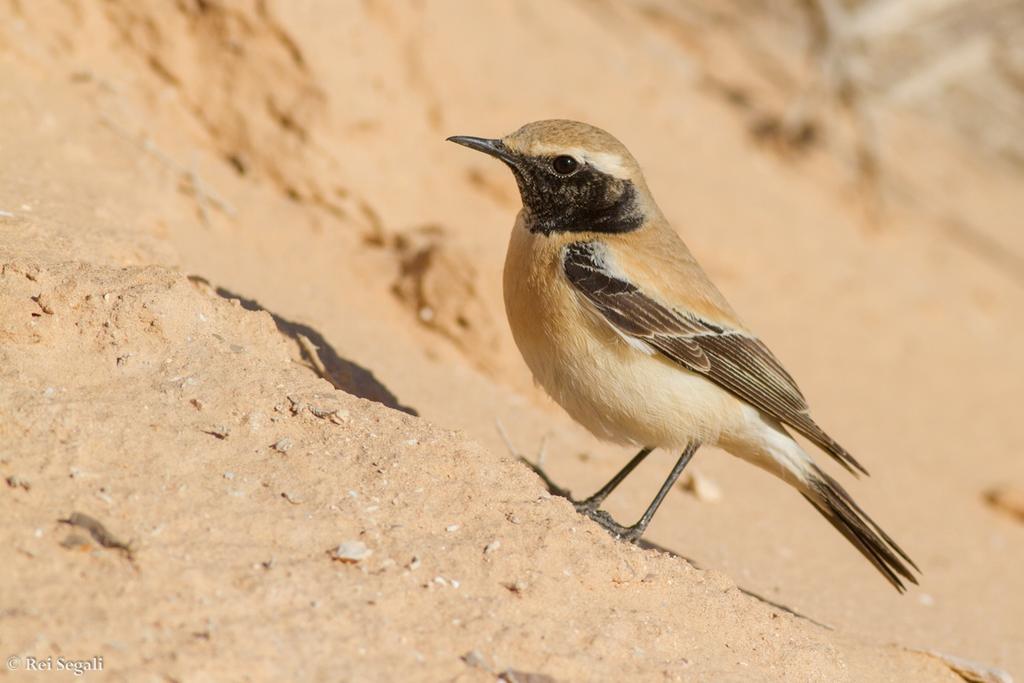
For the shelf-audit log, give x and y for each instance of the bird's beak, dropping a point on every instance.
(496, 148)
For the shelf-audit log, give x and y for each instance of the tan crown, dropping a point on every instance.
(580, 140)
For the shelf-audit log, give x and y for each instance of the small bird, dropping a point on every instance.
(622, 327)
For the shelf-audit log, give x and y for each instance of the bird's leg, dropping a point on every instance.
(590, 505)
(594, 502)
(633, 533)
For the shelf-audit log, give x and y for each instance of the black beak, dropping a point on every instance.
(496, 148)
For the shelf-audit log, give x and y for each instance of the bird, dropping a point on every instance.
(621, 326)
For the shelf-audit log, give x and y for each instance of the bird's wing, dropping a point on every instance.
(733, 359)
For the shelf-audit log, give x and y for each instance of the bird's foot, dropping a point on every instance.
(629, 534)
(589, 508)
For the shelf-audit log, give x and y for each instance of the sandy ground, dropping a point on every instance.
(237, 258)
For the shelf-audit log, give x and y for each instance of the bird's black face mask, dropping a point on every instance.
(565, 194)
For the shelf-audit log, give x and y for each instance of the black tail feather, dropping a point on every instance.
(836, 505)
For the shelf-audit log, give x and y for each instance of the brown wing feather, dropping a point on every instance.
(734, 360)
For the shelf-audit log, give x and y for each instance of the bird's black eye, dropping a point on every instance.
(565, 165)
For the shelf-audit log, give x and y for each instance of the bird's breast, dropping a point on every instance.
(616, 391)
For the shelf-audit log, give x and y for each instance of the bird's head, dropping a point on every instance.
(572, 177)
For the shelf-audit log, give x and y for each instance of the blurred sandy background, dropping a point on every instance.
(236, 255)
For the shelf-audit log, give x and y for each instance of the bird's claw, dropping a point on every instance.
(588, 508)
(629, 534)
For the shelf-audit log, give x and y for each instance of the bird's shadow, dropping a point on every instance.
(321, 356)
(556, 490)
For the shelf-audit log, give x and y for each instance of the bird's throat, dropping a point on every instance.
(612, 209)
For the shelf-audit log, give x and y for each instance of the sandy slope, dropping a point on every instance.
(291, 156)
(182, 422)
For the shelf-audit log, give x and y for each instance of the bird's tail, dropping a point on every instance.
(836, 505)
(782, 456)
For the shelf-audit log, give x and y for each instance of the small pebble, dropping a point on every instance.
(475, 659)
(492, 546)
(283, 445)
(451, 528)
(44, 303)
(229, 475)
(414, 564)
(254, 420)
(16, 482)
(1007, 499)
(351, 551)
(702, 488)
